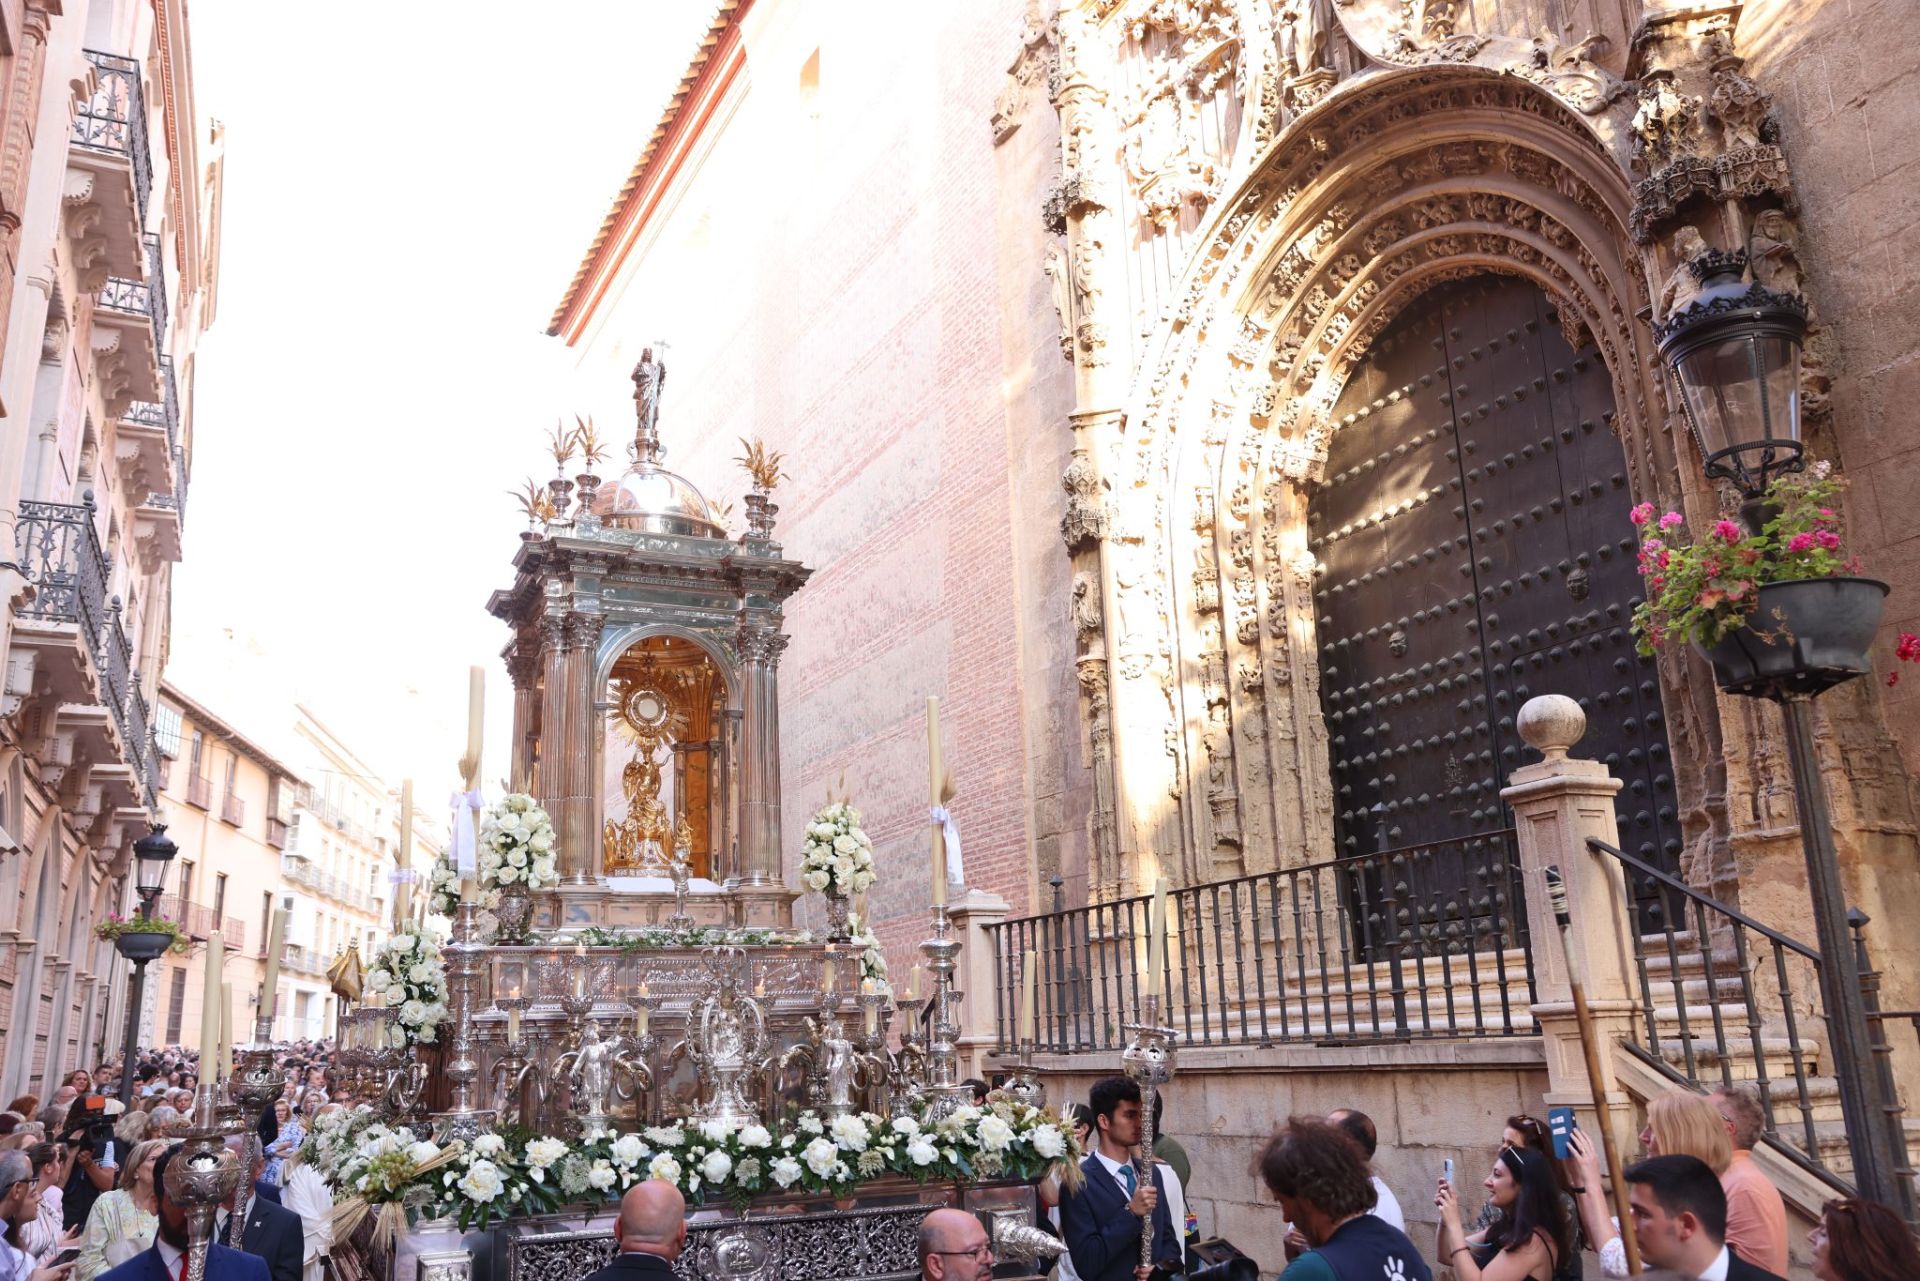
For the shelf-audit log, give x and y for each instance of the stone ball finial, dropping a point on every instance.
(1551, 724)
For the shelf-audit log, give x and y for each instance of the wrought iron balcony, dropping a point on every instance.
(138, 309)
(110, 163)
(200, 791)
(305, 960)
(276, 832)
(201, 922)
(233, 810)
(59, 552)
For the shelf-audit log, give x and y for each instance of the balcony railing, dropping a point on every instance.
(60, 554)
(200, 791)
(276, 832)
(233, 810)
(304, 960)
(114, 120)
(201, 922)
(1426, 941)
(141, 297)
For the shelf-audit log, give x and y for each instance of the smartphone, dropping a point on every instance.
(65, 1257)
(1561, 1125)
(1446, 1171)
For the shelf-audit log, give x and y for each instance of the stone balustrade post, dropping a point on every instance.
(971, 914)
(1558, 803)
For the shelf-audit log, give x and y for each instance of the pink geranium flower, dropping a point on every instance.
(1672, 520)
(1800, 543)
(1643, 513)
(1727, 531)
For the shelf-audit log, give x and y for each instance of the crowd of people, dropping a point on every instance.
(83, 1196)
(82, 1177)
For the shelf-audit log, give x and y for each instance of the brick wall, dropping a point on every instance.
(839, 288)
(1846, 85)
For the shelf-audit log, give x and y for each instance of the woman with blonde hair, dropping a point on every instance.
(132, 1128)
(1683, 1123)
(123, 1221)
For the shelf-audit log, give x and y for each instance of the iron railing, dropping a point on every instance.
(114, 120)
(233, 810)
(201, 922)
(1728, 1001)
(59, 550)
(199, 791)
(1425, 941)
(141, 297)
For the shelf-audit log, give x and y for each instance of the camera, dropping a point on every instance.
(89, 1126)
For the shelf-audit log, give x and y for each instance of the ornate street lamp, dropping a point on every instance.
(151, 855)
(1735, 353)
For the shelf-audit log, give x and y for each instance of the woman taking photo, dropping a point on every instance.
(1528, 1242)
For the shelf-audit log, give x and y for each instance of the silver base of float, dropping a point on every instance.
(868, 1237)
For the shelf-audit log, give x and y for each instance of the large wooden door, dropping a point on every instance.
(1475, 551)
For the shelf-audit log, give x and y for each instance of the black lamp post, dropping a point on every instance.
(151, 855)
(1735, 353)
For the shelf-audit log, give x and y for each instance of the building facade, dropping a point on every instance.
(1232, 410)
(109, 242)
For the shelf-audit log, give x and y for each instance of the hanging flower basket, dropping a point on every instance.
(1804, 636)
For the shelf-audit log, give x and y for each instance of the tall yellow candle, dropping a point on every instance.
(913, 983)
(1157, 938)
(270, 988)
(226, 1029)
(476, 707)
(403, 895)
(1027, 1015)
(210, 1008)
(933, 792)
(513, 1022)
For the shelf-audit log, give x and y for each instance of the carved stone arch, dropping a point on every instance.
(1299, 270)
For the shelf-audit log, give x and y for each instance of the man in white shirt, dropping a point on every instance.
(1680, 1216)
(1359, 1127)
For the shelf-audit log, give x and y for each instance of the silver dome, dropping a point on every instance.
(654, 500)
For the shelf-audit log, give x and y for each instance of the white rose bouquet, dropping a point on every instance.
(517, 845)
(407, 972)
(443, 887)
(838, 856)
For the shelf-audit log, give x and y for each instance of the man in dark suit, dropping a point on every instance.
(649, 1234)
(1680, 1216)
(166, 1259)
(1103, 1221)
(268, 1229)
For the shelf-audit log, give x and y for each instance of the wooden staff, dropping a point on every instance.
(1603, 1113)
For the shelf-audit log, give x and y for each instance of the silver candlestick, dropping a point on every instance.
(466, 959)
(256, 1082)
(1023, 1084)
(907, 1066)
(1148, 1061)
(204, 1174)
(514, 1076)
(943, 1090)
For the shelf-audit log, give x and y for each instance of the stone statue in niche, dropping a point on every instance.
(1742, 107)
(1773, 251)
(1682, 287)
(1306, 33)
(1086, 607)
(1055, 266)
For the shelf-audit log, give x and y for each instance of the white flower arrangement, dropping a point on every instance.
(837, 857)
(517, 845)
(873, 962)
(407, 971)
(491, 1179)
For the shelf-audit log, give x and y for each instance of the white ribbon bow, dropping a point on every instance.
(465, 806)
(950, 832)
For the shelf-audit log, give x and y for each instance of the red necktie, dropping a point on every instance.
(180, 1270)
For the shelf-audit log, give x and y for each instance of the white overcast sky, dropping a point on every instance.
(407, 194)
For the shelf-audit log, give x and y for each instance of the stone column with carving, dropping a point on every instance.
(760, 643)
(1558, 803)
(19, 109)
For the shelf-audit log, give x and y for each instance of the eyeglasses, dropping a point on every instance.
(982, 1251)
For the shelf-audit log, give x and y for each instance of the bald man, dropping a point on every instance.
(954, 1247)
(649, 1234)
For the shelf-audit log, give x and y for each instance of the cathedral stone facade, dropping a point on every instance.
(1232, 407)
